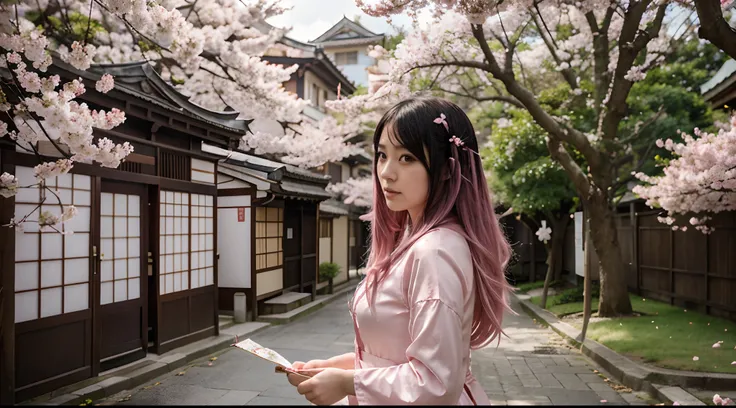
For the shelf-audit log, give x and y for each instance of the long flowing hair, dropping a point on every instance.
(458, 195)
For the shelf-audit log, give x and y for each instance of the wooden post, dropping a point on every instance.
(672, 265)
(635, 244)
(586, 284)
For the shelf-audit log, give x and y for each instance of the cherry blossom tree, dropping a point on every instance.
(519, 51)
(211, 50)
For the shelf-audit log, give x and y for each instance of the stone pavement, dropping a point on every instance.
(532, 366)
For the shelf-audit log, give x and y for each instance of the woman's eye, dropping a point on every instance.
(381, 155)
(406, 158)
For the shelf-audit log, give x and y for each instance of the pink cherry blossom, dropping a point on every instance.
(8, 185)
(105, 84)
(700, 179)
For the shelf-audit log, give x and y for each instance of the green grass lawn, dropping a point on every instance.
(665, 336)
(526, 287)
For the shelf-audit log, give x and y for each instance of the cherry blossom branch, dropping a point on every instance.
(559, 153)
(542, 117)
(549, 41)
(500, 98)
(629, 47)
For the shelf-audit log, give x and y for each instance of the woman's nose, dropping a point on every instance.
(387, 171)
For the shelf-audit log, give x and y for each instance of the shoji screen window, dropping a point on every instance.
(269, 237)
(203, 239)
(120, 239)
(174, 242)
(51, 269)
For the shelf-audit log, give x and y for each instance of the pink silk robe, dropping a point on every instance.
(416, 342)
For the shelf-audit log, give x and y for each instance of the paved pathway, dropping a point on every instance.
(532, 366)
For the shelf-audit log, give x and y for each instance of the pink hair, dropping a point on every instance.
(463, 200)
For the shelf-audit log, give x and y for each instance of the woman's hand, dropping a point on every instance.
(294, 379)
(327, 386)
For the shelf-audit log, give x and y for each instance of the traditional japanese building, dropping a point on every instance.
(267, 234)
(139, 273)
(347, 45)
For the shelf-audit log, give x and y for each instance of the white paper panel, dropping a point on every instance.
(51, 245)
(185, 280)
(76, 245)
(50, 302)
(209, 241)
(177, 244)
(195, 199)
(195, 260)
(134, 227)
(185, 199)
(82, 182)
(208, 200)
(121, 290)
(210, 276)
(185, 263)
(26, 276)
(134, 205)
(21, 210)
(121, 227)
(81, 197)
(162, 285)
(106, 205)
(65, 180)
(169, 283)
(28, 195)
(177, 225)
(169, 244)
(106, 271)
(121, 204)
(209, 258)
(202, 277)
(106, 227)
(169, 225)
(121, 248)
(50, 273)
(26, 247)
(25, 175)
(169, 196)
(177, 211)
(170, 210)
(26, 306)
(134, 247)
(106, 293)
(195, 226)
(185, 226)
(80, 222)
(121, 269)
(66, 196)
(107, 248)
(76, 271)
(203, 177)
(209, 212)
(134, 288)
(177, 282)
(134, 267)
(177, 262)
(76, 297)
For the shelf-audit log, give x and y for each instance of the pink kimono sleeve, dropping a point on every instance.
(437, 363)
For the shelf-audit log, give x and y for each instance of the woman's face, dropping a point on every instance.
(404, 179)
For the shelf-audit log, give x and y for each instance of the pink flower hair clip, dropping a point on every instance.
(442, 120)
(457, 141)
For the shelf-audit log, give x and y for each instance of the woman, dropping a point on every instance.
(435, 284)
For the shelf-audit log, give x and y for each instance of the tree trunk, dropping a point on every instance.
(554, 254)
(614, 297)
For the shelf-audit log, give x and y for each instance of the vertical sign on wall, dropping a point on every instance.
(579, 253)
(241, 214)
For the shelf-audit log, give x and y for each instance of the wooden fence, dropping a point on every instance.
(688, 269)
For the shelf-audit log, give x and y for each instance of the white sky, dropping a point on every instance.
(310, 18)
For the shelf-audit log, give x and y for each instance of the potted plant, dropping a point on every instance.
(328, 271)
